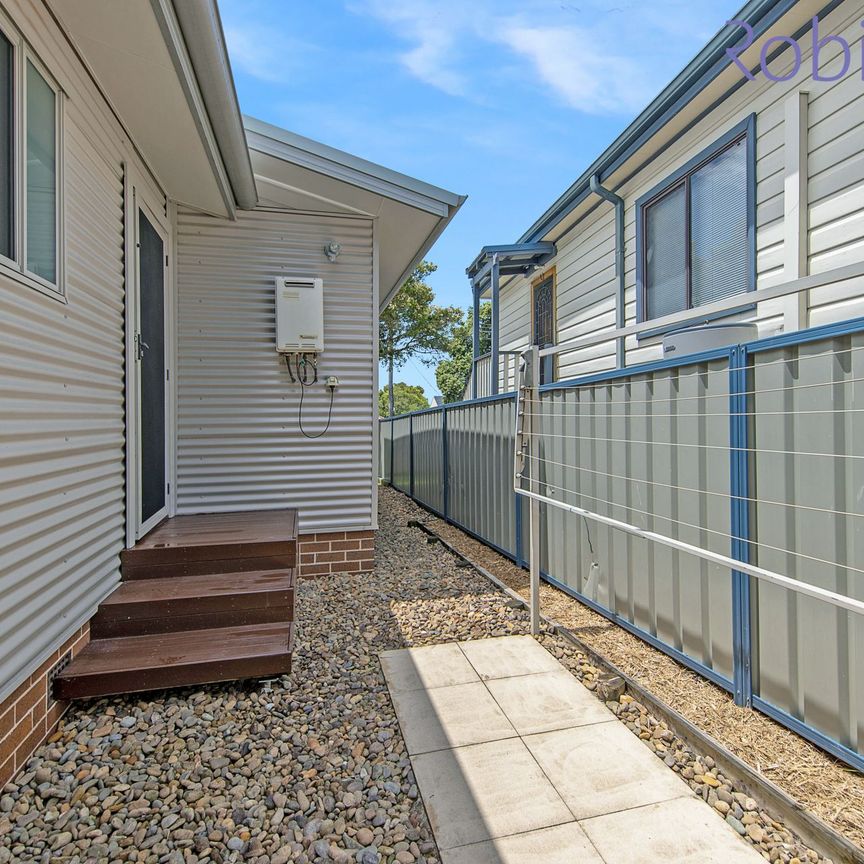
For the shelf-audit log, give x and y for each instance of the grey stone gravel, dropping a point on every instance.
(314, 770)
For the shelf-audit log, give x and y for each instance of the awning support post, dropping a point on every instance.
(475, 290)
(496, 318)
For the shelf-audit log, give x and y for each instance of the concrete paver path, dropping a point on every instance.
(518, 763)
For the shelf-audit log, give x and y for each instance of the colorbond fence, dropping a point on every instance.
(458, 462)
(755, 452)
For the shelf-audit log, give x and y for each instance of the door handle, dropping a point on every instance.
(141, 346)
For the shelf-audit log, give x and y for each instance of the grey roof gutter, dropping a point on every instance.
(698, 74)
(202, 32)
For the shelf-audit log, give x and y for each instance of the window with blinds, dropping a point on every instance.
(695, 237)
(30, 166)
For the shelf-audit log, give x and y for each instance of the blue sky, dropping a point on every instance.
(506, 101)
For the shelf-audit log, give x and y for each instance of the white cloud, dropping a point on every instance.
(428, 62)
(579, 70)
(597, 57)
(436, 32)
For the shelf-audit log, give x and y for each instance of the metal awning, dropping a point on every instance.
(485, 272)
(512, 259)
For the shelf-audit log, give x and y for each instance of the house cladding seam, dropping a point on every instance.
(239, 446)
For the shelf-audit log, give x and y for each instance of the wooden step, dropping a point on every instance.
(135, 664)
(214, 543)
(143, 606)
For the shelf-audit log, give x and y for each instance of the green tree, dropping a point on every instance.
(413, 326)
(453, 372)
(406, 397)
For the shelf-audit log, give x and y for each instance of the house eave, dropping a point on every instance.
(410, 214)
(201, 28)
(388, 294)
(348, 168)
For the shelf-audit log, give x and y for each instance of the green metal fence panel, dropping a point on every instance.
(428, 448)
(400, 430)
(480, 470)
(754, 453)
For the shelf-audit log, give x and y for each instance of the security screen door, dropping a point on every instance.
(151, 362)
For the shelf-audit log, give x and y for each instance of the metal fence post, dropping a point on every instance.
(445, 468)
(739, 460)
(531, 393)
(517, 498)
(392, 481)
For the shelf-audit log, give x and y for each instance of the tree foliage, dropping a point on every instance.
(406, 397)
(413, 326)
(453, 372)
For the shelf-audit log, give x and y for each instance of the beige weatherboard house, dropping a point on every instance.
(146, 229)
(729, 150)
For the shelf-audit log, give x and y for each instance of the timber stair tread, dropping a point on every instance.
(143, 606)
(203, 598)
(217, 536)
(249, 584)
(153, 661)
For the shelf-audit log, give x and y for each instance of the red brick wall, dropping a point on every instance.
(336, 552)
(29, 715)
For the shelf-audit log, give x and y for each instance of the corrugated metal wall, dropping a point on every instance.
(476, 455)
(400, 430)
(239, 443)
(480, 470)
(385, 430)
(62, 492)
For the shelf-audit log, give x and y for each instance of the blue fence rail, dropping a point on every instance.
(750, 476)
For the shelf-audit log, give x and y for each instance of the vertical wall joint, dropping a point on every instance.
(795, 208)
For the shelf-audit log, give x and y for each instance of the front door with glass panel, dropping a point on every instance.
(152, 379)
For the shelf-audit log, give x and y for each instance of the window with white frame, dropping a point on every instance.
(30, 169)
(695, 235)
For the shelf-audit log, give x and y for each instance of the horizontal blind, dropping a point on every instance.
(718, 226)
(665, 256)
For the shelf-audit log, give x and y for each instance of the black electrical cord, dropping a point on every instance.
(301, 374)
(300, 413)
(302, 366)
